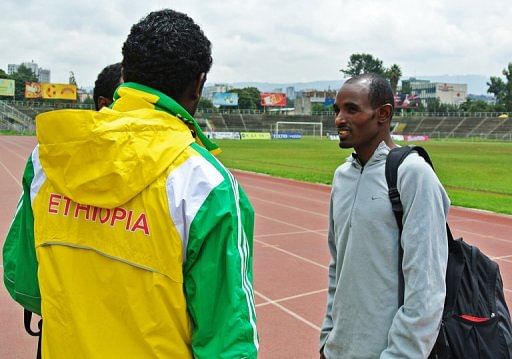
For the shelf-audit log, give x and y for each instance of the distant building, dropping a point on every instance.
(208, 91)
(305, 99)
(290, 92)
(426, 91)
(43, 75)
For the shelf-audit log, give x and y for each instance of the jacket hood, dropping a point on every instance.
(380, 154)
(106, 158)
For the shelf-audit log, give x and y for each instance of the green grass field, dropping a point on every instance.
(475, 174)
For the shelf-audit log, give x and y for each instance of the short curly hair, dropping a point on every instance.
(379, 92)
(166, 50)
(107, 82)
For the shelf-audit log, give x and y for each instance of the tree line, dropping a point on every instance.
(25, 74)
(501, 88)
(359, 63)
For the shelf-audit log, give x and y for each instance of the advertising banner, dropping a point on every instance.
(255, 135)
(287, 136)
(58, 91)
(50, 91)
(33, 90)
(6, 87)
(225, 99)
(273, 99)
(225, 135)
(329, 101)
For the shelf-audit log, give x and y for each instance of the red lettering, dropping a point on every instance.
(53, 202)
(66, 207)
(142, 224)
(129, 220)
(118, 215)
(104, 219)
(82, 207)
(95, 212)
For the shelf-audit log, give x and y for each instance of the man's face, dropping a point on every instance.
(356, 120)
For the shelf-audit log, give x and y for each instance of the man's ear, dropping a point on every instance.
(384, 113)
(103, 101)
(198, 85)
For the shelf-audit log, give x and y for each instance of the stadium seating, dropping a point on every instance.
(19, 115)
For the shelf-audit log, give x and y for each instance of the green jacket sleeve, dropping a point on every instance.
(218, 275)
(19, 255)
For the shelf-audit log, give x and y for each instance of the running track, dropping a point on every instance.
(290, 256)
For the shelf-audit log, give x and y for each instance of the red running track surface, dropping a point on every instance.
(290, 256)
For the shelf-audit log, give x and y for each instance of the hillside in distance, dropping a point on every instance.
(476, 83)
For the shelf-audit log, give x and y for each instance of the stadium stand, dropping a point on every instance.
(503, 131)
(11, 119)
(18, 116)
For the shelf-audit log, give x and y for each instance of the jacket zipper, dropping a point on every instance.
(355, 197)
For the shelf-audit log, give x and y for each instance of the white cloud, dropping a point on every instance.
(268, 40)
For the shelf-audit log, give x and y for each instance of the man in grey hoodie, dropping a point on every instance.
(363, 317)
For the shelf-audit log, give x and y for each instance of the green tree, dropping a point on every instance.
(88, 101)
(393, 74)
(319, 107)
(248, 98)
(24, 74)
(3, 75)
(496, 87)
(476, 106)
(502, 89)
(434, 105)
(204, 103)
(363, 63)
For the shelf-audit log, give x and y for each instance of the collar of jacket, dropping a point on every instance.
(380, 154)
(144, 96)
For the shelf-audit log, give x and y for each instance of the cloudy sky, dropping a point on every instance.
(269, 41)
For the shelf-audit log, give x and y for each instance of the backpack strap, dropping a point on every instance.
(395, 157)
(27, 319)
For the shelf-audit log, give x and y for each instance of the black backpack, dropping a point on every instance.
(476, 321)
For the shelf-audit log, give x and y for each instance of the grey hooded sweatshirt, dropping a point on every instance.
(363, 319)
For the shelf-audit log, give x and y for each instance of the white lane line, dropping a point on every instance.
(290, 207)
(10, 174)
(291, 224)
(286, 233)
(293, 297)
(483, 235)
(288, 311)
(268, 245)
(288, 194)
(13, 152)
(501, 257)
(462, 219)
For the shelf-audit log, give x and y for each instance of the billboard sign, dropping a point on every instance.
(273, 99)
(6, 87)
(287, 136)
(50, 91)
(225, 99)
(225, 135)
(329, 101)
(58, 91)
(32, 90)
(255, 135)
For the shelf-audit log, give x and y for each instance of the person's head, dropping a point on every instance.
(364, 108)
(167, 51)
(105, 85)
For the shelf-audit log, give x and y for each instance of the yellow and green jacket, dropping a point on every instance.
(131, 239)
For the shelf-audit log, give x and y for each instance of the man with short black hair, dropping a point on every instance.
(108, 80)
(131, 238)
(364, 318)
